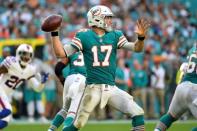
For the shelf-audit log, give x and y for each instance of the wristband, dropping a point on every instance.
(141, 38)
(54, 33)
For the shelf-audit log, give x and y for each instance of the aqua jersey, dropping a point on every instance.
(76, 65)
(99, 54)
(65, 71)
(191, 72)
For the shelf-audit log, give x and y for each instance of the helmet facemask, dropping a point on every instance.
(25, 57)
(24, 54)
(108, 26)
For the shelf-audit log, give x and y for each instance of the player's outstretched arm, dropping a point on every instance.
(52, 24)
(38, 81)
(142, 27)
(57, 45)
(59, 68)
(61, 51)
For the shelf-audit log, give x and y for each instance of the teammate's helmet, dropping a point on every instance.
(193, 49)
(24, 54)
(96, 16)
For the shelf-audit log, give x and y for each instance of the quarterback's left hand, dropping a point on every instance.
(142, 27)
(44, 77)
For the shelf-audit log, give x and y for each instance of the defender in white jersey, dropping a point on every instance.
(14, 71)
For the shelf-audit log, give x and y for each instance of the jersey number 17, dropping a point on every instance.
(103, 48)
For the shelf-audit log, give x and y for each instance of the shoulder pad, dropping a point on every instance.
(9, 61)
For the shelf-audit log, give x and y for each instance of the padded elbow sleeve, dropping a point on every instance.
(58, 71)
(58, 68)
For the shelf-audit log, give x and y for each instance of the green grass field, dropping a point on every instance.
(102, 126)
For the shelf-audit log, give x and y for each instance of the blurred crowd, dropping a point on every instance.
(149, 76)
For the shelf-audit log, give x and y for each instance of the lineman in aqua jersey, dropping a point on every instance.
(99, 45)
(185, 97)
(183, 68)
(73, 89)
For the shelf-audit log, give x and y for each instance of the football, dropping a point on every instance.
(51, 23)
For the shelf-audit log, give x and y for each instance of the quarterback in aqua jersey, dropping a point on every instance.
(185, 97)
(99, 45)
(73, 89)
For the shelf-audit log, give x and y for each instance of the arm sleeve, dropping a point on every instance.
(123, 42)
(58, 68)
(128, 46)
(58, 71)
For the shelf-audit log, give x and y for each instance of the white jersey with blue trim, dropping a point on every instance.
(16, 74)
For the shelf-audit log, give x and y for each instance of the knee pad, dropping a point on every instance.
(3, 124)
(141, 111)
(137, 110)
(5, 113)
(81, 120)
